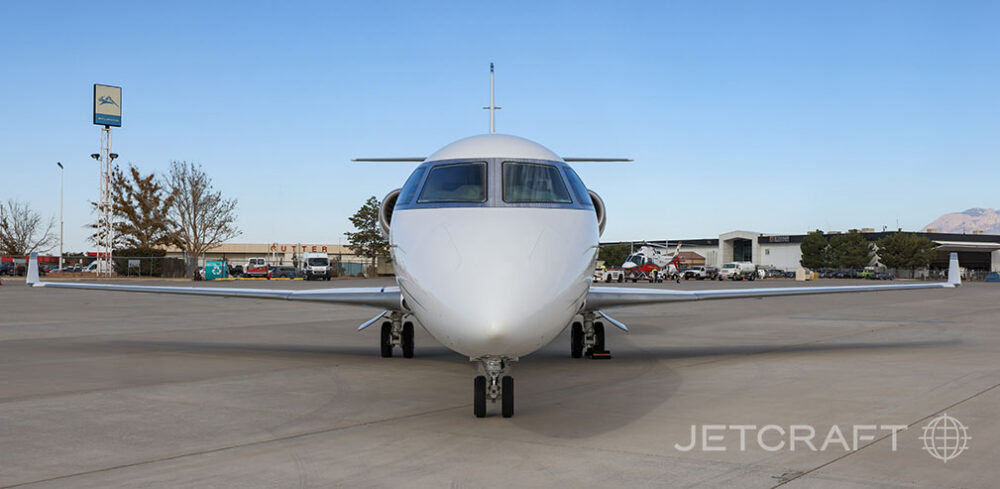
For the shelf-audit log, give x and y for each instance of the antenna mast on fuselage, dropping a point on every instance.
(493, 105)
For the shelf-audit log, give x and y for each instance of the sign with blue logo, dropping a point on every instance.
(107, 105)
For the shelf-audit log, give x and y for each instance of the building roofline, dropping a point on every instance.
(797, 238)
(973, 238)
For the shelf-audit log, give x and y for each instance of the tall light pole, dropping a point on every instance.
(105, 161)
(60, 215)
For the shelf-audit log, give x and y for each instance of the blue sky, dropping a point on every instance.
(766, 116)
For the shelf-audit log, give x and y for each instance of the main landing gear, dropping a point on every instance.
(395, 333)
(493, 385)
(587, 338)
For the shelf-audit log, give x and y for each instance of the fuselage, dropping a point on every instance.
(494, 255)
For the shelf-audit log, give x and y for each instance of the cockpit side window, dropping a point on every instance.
(410, 187)
(459, 182)
(579, 189)
(533, 183)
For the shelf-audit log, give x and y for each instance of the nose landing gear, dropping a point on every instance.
(493, 385)
(587, 338)
(395, 333)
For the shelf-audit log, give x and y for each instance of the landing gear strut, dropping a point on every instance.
(395, 333)
(587, 338)
(493, 385)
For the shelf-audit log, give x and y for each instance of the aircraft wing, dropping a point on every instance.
(387, 298)
(605, 297)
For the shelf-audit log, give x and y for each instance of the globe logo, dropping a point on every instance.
(945, 437)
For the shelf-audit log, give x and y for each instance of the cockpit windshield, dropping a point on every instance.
(636, 259)
(534, 183)
(460, 182)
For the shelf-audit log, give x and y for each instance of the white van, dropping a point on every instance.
(98, 266)
(315, 266)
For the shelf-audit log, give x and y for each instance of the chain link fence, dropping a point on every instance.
(91, 266)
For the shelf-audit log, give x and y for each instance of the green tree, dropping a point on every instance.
(815, 250)
(614, 255)
(905, 250)
(140, 208)
(368, 239)
(850, 250)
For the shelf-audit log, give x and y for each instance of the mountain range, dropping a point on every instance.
(967, 221)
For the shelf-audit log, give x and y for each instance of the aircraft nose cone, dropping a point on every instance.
(500, 286)
(494, 300)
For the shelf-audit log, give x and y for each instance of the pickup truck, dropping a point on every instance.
(609, 275)
(699, 273)
(255, 268)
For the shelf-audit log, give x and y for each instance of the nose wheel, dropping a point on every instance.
(587, 338)
(493, 386)
(576, 340)
(397, 333)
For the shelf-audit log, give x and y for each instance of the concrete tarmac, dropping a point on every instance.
(105, 390)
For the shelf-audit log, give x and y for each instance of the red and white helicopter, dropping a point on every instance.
(648, 263)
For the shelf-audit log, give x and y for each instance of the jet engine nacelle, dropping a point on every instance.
(385, 211)
(600, 210)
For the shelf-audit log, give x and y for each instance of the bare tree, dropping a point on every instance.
(22, 230)
(201, 218)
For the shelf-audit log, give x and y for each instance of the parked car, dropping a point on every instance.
(775, 273)
(281, 271)
(882, 276)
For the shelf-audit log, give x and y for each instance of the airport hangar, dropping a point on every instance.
(979, 252)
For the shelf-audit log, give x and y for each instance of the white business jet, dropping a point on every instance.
(494, 240)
